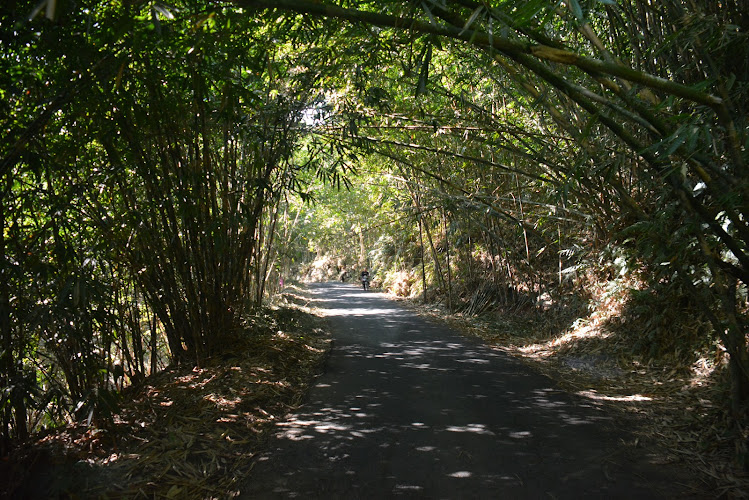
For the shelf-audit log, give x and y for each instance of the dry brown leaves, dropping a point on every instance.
(192, 433)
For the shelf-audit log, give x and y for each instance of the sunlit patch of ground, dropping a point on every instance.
(592, 394)
(550, 347)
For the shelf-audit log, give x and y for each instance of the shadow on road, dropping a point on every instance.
(408, 408)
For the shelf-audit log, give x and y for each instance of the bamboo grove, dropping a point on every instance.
(153, 153)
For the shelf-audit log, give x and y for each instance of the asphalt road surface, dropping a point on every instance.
(408, 408)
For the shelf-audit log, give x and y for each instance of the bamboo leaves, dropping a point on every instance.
(424, 60)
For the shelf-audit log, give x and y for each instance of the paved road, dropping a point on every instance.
(410, 409)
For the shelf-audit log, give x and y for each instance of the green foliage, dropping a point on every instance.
(146, 161)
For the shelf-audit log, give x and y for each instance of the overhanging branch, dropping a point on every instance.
(510, 48)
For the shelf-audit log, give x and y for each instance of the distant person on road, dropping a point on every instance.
(364, 279)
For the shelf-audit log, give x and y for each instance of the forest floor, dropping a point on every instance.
(183, 433)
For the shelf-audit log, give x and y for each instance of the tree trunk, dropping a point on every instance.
(423, 266)
(449, 274)
(435, 258)
(6, 355)
(739, 356)
(362, 248)
(154, 345)
(8, 368)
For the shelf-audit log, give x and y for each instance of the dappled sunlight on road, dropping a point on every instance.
(360, 311)
(407, 408)
(343, 300)
(471, 428)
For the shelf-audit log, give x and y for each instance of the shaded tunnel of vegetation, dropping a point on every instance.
(164, 166)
